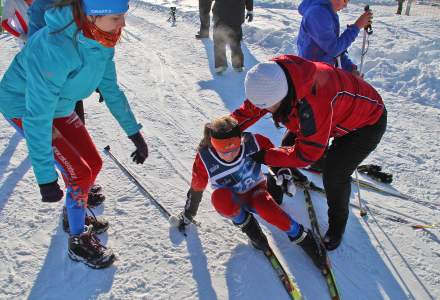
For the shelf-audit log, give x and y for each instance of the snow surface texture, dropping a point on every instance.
(169, 79)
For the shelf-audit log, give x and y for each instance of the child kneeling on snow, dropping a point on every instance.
(224, 158)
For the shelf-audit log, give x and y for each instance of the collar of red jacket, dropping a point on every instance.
(301, 72)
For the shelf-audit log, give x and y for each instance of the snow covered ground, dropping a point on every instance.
(169, 79)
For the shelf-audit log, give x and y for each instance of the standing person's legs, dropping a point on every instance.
(76, 173)
(343, 157)
(79, 162)
(237, 57)
(399, 7)
(219, 37)
(79, 109)
(205, 19)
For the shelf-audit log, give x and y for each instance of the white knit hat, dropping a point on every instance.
(266, 84)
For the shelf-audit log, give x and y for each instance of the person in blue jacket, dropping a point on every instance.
(319, 37)
(65, 61)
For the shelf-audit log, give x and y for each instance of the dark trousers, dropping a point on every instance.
(226, 35)
(342, 158)
(205, 19)
(399, 6)
(79, 109)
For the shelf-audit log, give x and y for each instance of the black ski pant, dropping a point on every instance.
(399, 6)
(226, 35)
(343, 156)
(205, 19)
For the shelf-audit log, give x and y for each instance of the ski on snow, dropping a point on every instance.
(288, 282)
(327, 271)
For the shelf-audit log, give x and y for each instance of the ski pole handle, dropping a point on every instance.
(368, 29)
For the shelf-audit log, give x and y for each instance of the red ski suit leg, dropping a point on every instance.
(258, 199)
(76, 155)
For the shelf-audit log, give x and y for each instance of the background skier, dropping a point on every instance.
(319, 38)
(228, 16)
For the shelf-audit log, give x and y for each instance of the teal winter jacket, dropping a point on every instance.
(58, 67)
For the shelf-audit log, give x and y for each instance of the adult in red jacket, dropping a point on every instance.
(315, 102)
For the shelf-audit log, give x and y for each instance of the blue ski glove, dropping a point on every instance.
(51, 192)
(141, 152)
(249, 16)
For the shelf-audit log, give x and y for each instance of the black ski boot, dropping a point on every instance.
(95, 197)
(100, 225)
(253, 230)
(332, 240)
(96, 189)
(87, 248)
(202, 35)
(307, 242)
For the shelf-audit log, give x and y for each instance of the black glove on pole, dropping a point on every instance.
(51, 192)
(141, 152)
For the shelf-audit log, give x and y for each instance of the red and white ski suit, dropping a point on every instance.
(257, 199)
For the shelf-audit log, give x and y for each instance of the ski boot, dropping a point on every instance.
(220, 70)
(202, 35)
(253, 230)
(332, 241)
(95, 197)
(100, 225)
(313, 248)
(87, 248)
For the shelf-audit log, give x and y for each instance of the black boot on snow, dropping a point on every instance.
(332, 241)
(307, 242)
(96, 188)
(95, 199)
(253, 230)
(100, 225)
(87, 248)
(202, 35)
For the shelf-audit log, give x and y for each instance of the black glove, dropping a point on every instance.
(249, 16)
(141, 152)
(259, 156)
(284, 179)
(51, 192)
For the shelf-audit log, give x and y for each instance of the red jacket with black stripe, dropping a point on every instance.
(329, 102)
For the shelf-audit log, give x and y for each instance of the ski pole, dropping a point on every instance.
(165, 212)
(136, 182)
(362, 210)
(367, 31)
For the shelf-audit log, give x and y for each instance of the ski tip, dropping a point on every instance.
(107, 148)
